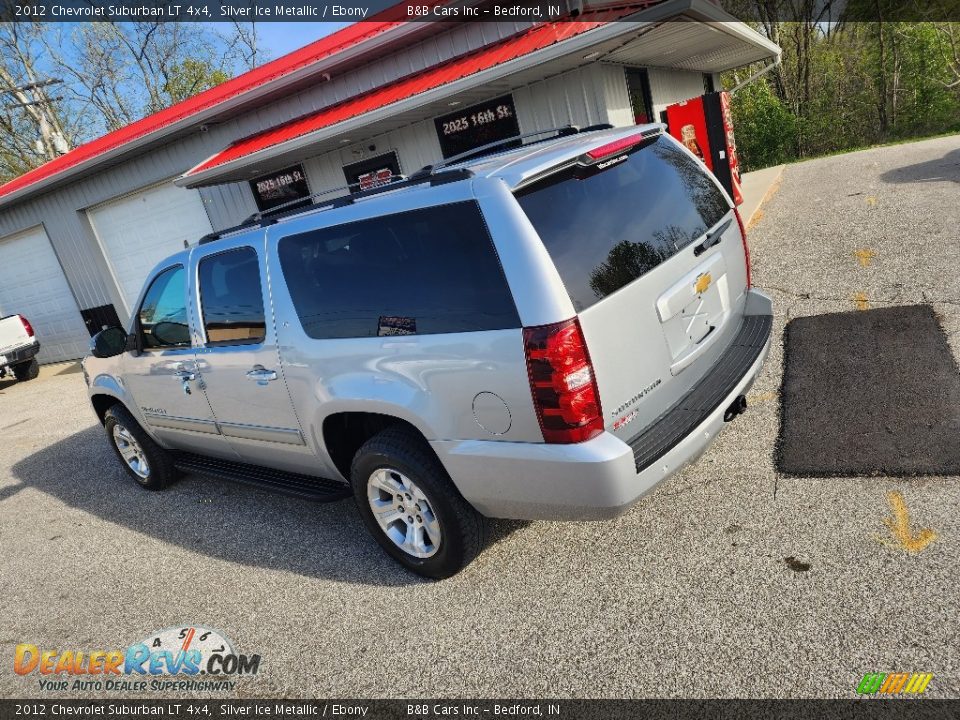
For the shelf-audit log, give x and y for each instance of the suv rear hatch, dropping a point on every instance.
(653, 258)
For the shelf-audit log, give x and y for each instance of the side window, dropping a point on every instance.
(163, 313)
(420, 272)
(231, 299)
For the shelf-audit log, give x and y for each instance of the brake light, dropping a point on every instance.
(746, 248)
(614, 147)
(562, 382)
(28, 328)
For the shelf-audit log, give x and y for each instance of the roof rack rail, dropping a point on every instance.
(431, 173)
(305, 204)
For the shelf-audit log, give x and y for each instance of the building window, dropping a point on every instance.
(477, 126)
(280, 188)
(641, 101)
(372, 172)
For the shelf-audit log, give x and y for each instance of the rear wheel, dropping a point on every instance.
(412, 508)
(146, 462)
(27, 370)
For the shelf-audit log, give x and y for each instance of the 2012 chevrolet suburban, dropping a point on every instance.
(544, 332)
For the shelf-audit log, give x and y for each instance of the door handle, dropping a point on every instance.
(185, 375)
(261, 374)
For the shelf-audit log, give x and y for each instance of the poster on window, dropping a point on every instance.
(477, 126)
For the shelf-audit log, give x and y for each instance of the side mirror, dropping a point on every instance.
(109, 342)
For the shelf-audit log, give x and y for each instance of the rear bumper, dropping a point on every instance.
(20, 354)
(603, 477)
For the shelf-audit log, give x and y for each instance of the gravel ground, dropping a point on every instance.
(691, 593)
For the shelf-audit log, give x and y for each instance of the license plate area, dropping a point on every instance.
(692, 310)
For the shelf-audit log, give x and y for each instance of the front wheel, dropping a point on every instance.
(412, 508)
(146, 462)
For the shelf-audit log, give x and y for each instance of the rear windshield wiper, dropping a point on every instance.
(712, 238)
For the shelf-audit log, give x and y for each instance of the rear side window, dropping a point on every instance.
(421, 272)
(231, 299)
(605, 228)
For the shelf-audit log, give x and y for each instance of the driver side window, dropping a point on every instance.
(163, 314)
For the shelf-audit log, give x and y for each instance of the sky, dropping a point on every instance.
(279, 38)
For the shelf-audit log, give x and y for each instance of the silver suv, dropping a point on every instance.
(546, 332)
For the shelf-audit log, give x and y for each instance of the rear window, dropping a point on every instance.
(605, 228)
(421, 272)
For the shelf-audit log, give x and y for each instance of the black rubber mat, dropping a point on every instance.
(874, 392)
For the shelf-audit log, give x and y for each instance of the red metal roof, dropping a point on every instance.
(530, 41)
(325, 47)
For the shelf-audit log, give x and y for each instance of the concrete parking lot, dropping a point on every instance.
(730, 580)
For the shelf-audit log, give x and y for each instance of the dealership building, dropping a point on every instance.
(79, 234)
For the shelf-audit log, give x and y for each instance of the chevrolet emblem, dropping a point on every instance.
(703, 282)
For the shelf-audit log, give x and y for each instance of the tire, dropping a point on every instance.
(145, 461)
(448, 532)
(26, 370)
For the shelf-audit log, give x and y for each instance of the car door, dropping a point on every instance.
(240, 359)
(162, 374)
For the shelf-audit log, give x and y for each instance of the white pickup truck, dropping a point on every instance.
(18, 348)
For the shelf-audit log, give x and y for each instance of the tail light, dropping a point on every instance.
(562, 382)
(746, 248)
(28, 328)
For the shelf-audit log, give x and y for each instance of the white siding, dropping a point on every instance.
(32, 284)
(614, 83)
(580, 97)
(139, 230)
(668, 86)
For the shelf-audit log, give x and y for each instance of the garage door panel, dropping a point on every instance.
(138, 231)
(32, 284)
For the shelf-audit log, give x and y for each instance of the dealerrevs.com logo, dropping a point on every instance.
(189, 658)
(896, 683)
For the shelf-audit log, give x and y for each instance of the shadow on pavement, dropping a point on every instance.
(219, 519)
(945, 168)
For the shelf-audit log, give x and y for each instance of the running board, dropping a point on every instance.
(280, 481)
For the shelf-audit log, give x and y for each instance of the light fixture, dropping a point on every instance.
(453, 103)
(591, 56)
(344, 141)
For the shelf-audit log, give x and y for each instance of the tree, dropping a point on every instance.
(33, 128)
(112, 74)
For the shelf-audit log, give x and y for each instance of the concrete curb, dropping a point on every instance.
(758, 188)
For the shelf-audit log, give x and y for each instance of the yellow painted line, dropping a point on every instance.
(899, 526)
(865, 255)
(871, 200)
(861, 300)
(761, 397)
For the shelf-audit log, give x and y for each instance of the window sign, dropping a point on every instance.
(280, 187)
(477, 126)
(372, 172)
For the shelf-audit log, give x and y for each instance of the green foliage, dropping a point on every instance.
(847, 86)
(766, 131)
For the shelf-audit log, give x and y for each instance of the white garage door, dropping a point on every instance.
(32, 284)
(139, 230)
